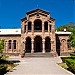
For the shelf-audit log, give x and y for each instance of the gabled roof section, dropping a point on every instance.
(38, 10)
(23, 19)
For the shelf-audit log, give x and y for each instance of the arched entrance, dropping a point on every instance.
(47, 44)
(37, 44)
(28, 45)
(58, 45)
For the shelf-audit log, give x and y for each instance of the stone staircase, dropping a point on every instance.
(39, 54)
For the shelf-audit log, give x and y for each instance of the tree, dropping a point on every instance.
(71, 28)
(1, 45)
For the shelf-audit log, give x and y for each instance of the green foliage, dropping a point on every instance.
(1, 45)
(71, 28)
(2, 69)
(5, 56)
(64, 58)
(63, 65)
(71, 65)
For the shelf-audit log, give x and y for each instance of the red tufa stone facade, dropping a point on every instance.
(37, 34)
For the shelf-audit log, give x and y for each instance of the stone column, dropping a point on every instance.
(24, 42)
(6, 46)
(32, 28)
(43, 27)
(43, 42)
(12, 46)
(23, 51)
(32, 46)
(26, 29)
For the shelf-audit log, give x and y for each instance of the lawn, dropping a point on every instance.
(68, 63)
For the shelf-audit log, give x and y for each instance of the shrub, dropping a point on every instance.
(64, 58)
(2, 61)
(71, 64)
(2, 69)
(5, 56)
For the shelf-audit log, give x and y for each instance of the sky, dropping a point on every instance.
(12, 11)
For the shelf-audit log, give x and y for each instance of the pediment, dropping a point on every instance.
(38, 11)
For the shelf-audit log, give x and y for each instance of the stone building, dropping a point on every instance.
(37, 34)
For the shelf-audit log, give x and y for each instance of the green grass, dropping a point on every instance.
(63, 65)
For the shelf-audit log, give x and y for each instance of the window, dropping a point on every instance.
(29, 26)
(14, 44)
(24, 28)
(9, 44)
(50, 28)
(46, 26)
(68, 44)
(38, 25)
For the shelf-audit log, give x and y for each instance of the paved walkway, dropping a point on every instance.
(39, 66)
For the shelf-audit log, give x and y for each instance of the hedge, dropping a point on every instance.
(71, 64)
(64, 58)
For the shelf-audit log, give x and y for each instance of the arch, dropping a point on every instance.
(63, 40)
(29, 25)
(63, 44)
(37, 25)
(37, 44)
(28, 45)
(68, 44)
(14, 44)
(9, 44)
(47, 44)
(58, 45)
(46, 26)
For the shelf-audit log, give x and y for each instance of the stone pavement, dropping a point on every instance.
(38, 66)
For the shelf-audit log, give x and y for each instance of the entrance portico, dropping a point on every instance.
(39, 32)
(38, 44)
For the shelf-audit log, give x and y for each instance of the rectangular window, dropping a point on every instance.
(24, 28)
(9, 44)
(29, 26)
(14, 44)
(50, 28)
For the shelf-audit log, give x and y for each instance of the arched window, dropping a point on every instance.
(38, 25)
(29, 26)
(68, 44)
(46, 26)
(9, 44)
(14, 44)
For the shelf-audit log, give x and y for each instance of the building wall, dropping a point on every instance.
(62, 44)
(6, 38)
(58, 42)
(32, 34)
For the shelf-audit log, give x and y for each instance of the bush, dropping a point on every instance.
(64, 58)
(2, 69)
(71, 64)
(5, 56)
(2, 61)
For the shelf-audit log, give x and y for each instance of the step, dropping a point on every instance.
(39, 54)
